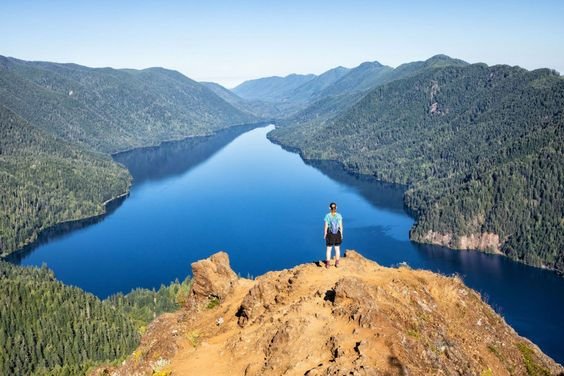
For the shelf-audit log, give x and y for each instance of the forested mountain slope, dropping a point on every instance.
(44, 181)
(480, 148)
(112, 109)
(55, 118)
(358, 82)
(48, 328)
(366, 76)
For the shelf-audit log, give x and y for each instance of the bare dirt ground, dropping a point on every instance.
(357, 319)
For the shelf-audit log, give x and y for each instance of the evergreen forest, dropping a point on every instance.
(48, 328)
(45, 181)
(479, 148)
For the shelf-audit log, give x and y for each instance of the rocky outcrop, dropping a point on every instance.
(358, 319)
(212, 278)
(486, 241)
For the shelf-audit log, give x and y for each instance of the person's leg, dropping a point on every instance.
(328, 256)
(337, 254)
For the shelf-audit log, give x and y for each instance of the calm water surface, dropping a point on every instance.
(238, 192)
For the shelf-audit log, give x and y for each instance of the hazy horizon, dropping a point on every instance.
(230, 43)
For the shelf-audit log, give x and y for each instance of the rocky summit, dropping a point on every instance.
(357, 319)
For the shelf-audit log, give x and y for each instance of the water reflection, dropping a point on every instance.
(60, 230)
(383, 195)
(145, 164)
(177, 157)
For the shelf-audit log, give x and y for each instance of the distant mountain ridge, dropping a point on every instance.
(271, 89)
(261, 109)
(112, 109)
(344, 93)
(306, 88)
(320, 97)
(361, 78)
(310, 89)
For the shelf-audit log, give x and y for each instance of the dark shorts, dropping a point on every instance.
(333, 239)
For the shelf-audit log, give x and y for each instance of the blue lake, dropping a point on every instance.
(238, 192)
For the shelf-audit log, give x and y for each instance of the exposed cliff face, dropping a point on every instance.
(487, 241)
(358, 319)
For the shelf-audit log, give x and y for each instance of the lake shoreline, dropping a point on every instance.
(65, 227)
(61, 228)
(175, 140)
(408, 210)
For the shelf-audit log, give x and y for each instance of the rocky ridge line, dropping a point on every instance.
(358, 319)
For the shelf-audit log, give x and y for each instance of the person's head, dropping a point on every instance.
(333, 207)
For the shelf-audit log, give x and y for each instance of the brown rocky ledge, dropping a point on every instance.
(358, 319)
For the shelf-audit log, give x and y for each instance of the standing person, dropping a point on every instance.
(333, 233)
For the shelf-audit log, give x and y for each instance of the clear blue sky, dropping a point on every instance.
(232, 41)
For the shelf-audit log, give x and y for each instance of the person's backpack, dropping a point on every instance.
(334, 225)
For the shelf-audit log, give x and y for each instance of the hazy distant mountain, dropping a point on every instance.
(480, 148)
(357, 83)
(323, 96)
(271, 89)
(305, 89)
(288, 94)
(261, 109)
(110, 109)
(364, 77)
(312, 88)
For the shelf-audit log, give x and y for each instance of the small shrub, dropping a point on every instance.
(413, 333)
(533, 369)
(494, 351)
(193, 337)
(162, 373)
(212, 303)
(487, 372)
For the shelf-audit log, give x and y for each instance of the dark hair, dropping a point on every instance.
(332, 204)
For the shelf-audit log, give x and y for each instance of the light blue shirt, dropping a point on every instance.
(330, 218)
